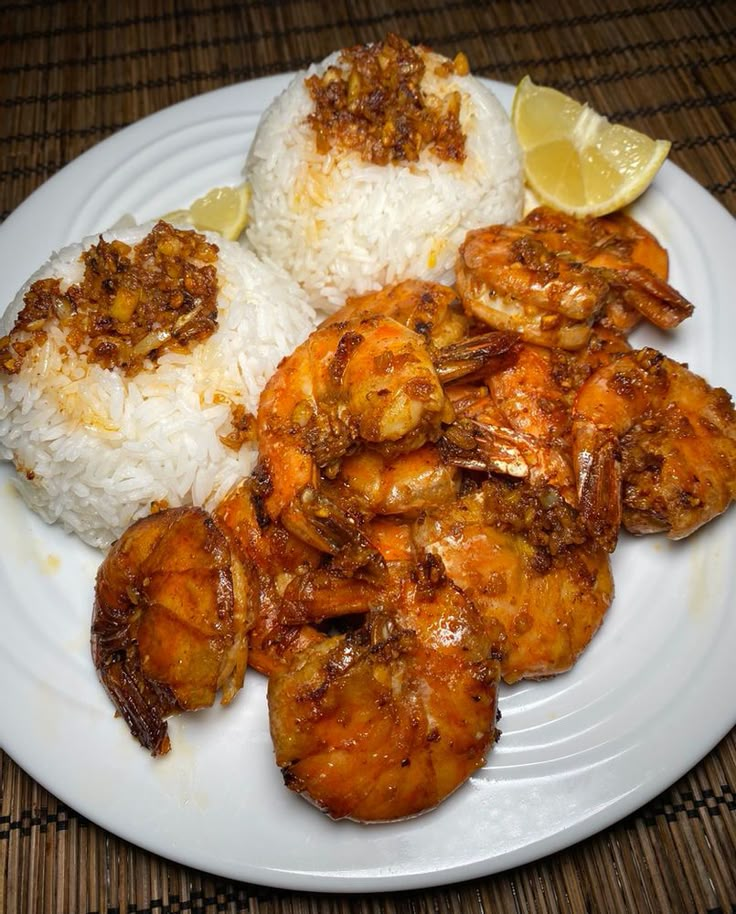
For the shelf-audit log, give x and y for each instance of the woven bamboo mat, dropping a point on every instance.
(74, 73)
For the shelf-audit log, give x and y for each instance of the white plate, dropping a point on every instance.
(650, 697)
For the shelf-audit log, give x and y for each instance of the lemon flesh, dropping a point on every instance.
(577, 160)
(222, 209)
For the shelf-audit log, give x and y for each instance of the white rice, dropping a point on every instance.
(99, 448)
(340, 225)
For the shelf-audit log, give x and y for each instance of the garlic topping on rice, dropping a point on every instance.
(130, 370)
(372, 166)
(131, 305)
(374, 103)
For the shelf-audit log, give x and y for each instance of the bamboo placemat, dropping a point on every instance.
(74, 73)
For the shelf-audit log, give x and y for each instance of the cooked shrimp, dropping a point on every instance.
(368, 381)
(276, 559)
(517, 422)
(623, 236)
(520, 555)
(617, 234)
(435, 313)
(294, 583)
(630, 259)
(534, 392)
(616, 241)
(402, 484)
(335, 592)
(488, 444)
(170, 620)
(552, 276)
(509, 280)
(427, 308)
(536, 388)
(384, 722)
(520, 426)
(654, 447)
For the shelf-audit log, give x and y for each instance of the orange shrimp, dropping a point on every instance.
(520, 554)
(369, 380)
(427, 308)
(654, 447)
(171, 614)
(617, 234)
(520, 426)
(275, 558)
(403, 484)
(508, 279)
(383, 722)
(551, 277)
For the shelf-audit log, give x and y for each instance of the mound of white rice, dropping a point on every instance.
(341, 225)
(94, 449)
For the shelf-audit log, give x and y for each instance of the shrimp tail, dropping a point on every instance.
(320, 523)
(143, 704)
(652, 297)
(488, 448)
(474, 354)
(598, 471)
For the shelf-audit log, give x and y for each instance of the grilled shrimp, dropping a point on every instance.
(275, 558)
(368, 381)
(508, 279)
(551, 277)
(532, 398)
(402, 484)
(435, 313)
(170, 619)
(294, 584)
(520, 554)
(616, 236)
(385, 721)
(654, 447)
(520, 425)
(534, 392)
(427, 308)
(630, 259)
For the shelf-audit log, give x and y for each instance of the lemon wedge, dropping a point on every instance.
(222, 209)
(575, 159)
